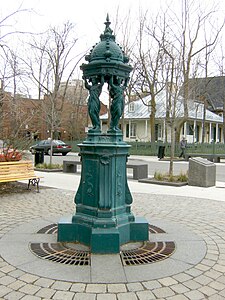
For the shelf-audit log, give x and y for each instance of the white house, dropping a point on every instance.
(136, 123)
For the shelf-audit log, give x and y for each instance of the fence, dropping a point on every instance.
(151, 149)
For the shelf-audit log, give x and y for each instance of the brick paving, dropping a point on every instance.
(204, 280)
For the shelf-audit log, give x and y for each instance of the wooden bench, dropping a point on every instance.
(19, 170)
(212, 157)
(140, 170)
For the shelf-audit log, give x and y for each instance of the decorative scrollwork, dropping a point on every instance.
(34, 182)
(105, 159)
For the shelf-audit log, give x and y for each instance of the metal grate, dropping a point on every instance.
(49, 229)
(58, 252)
(73, 253)
(155, 229)
(148, 253)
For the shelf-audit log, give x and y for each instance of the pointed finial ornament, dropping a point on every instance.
(107, 23)
(108, 31)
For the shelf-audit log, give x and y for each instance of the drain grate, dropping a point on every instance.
(49, 229)
(58, 252)
(78, 255)
(148, 253)
(155, 229)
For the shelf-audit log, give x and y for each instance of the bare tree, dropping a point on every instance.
(54, 63)
(15, 116)
(6, 24)
(184, 32)
(150, 71)
(219, 59)
(12, 114)
(195, 22)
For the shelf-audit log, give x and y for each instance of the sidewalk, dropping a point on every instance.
(71, 181)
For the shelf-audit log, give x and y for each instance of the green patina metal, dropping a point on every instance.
(107, 63)
(106, 58)
(103, 219)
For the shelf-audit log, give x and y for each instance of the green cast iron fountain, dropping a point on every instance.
(103, 219)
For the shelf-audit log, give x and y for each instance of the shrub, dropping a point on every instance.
(159, 176)
(182, 177)
(48, 166)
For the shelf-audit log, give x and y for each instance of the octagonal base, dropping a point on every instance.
(103, 219)
(103, 240)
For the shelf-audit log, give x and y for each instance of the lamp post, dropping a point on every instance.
(103, 219)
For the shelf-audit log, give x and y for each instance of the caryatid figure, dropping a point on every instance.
(94, 105)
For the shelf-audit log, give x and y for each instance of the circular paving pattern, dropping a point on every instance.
(194, 271)
(71, 254)
(38, 253)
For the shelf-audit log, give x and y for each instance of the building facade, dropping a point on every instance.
(34, 118)
(202, 125)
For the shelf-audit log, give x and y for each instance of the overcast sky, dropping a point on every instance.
(87, 15)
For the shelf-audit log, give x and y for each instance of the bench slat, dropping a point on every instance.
(17, 179)
(19, 170)
(17, 176)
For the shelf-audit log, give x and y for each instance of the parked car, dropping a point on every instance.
(45, 145)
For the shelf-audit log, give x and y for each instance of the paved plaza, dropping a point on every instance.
(191, 217)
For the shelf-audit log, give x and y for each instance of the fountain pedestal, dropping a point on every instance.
(103, 218)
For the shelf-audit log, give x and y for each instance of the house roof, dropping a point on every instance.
(142, 110)
(211, 88)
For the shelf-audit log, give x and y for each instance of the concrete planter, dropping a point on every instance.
(48, 170)
(161, 182)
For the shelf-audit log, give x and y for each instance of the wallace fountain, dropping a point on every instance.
(103, 219)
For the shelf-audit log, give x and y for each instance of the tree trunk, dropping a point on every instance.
(203, 123)
(51, 149)
(152, 119)
(172, 149)
(224, 120)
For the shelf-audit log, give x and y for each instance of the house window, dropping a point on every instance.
(131, 107)
(158, 131)
(197, 133)
(190, 130)
(127, 130)
(133, 130)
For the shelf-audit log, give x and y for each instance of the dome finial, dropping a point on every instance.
(107, 23)
(108, 31)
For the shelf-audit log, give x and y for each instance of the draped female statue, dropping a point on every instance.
(116, 91)
(94, 104)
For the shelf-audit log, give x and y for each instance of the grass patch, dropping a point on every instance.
(48, 166)
(182, 177)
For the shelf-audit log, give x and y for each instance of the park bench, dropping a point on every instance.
(211, 157)
(140, 170)
(18, 171)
